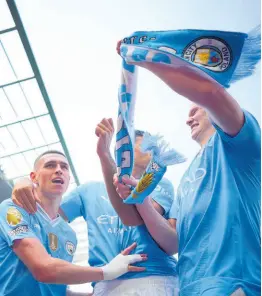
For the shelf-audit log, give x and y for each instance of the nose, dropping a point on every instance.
(59, 170)
(189, 121)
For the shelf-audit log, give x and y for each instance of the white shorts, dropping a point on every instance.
(147, 286)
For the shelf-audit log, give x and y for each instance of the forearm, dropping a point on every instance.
(195, 85)
(61, 272)
(158, 227)
(189, 82)
(127, 213)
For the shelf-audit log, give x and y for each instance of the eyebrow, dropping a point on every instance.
(193, 111)
(54, 161)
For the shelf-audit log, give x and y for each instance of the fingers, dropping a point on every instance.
(118, 46)
(110, 120)
(104, 126)
(24, 197)
(135, 268)
(16, 201)
(124, 193)
(129, 249)
(28, 201)
(115, 179)
(136, 258)
(123, 190)
(36, 196)
(107, 123)
(129, 181)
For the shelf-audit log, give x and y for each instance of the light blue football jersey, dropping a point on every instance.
(218, 216)
(108, 236)
(56, 235)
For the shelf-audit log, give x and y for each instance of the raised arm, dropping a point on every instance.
(127, 213)
(200, 88)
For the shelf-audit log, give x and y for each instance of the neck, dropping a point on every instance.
(138, 172)
(208, 134)
(49, 203)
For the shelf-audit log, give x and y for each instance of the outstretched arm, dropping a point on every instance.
(200, 88)
(47, 269)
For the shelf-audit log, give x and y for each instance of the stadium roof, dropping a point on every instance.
(28, 124)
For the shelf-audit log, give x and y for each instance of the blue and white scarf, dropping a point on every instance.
(225, 56)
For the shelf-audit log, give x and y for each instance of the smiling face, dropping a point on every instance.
(199, 123)
(51, 175)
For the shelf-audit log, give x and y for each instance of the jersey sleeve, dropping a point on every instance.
(247, 143)
(14, 223)
(164, 195)
(72, 205)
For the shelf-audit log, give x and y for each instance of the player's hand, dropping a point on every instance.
(24, 195)
(104, 131)
(118, 46)
(124, 189)
(121, 264)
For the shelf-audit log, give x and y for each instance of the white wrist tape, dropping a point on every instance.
(119, 266)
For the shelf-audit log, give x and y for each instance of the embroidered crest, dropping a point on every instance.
(209, 52)
(53, 241)
(70, 248)
(13, 216)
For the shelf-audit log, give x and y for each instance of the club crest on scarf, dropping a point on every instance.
(212, 53)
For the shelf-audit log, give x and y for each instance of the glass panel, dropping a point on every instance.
(21, 164)
(48, 129)
(56, 146)
(17, 55)
(2, 148)
(9, 167)
(41, 150)
(7, 141)
(6, 73)
(6, 20)
(30, 156)
(7, 113)
(18, 101)
(33, 132)
(34, 97)
(19, 136)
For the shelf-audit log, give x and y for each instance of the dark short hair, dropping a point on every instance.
(139, 133)
(48, 152)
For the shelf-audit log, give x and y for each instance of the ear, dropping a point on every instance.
(33, 177)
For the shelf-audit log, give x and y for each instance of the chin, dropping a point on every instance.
(57, 192)
(194, 136)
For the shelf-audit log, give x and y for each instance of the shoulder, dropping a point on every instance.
(165, 186)
(8, 207)
(91, 187)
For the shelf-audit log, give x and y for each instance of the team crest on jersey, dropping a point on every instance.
(13, 216)
(209, 52)
(53, 241)
(70, 248)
